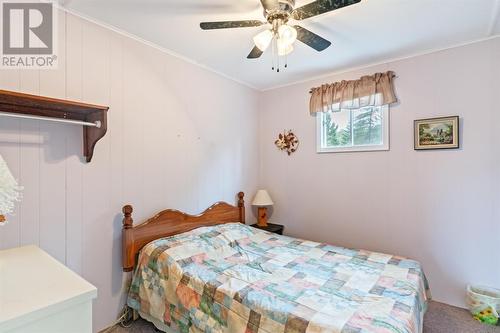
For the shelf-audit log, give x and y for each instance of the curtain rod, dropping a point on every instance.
(57, 120)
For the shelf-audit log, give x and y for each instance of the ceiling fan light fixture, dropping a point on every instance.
(284, 48)
(263, 39)
(287, 34)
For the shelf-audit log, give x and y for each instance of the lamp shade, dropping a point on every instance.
(263, 39)
(287, 34)
(284, 49)
(262, 198)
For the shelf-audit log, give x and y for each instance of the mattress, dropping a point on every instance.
(233, 278)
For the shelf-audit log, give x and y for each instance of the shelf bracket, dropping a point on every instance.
(93, 134)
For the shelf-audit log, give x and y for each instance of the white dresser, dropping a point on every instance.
(40, 295)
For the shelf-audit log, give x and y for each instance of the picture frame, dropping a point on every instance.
(437, 133)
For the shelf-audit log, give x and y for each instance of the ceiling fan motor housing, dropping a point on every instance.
(282, 14)
(287, 5)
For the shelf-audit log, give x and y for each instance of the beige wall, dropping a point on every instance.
(439, 207)
(179, 136)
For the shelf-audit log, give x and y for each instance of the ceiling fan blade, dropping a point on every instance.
(270, 4)
(230, 24)
(255, 53)
(319, 7)
(311, 39)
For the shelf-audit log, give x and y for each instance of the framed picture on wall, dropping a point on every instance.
(437, 133)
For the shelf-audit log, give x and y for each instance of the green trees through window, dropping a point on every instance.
(352, 128)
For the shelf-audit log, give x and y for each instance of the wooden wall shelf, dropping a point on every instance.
(19, 104)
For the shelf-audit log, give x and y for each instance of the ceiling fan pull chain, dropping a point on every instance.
(278, 57)
(272, 53)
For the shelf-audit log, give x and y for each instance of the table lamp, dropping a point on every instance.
(262, 200)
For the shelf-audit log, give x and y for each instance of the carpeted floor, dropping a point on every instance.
(443, 318)
(440, 318)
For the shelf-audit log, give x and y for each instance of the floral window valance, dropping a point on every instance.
(373, 90)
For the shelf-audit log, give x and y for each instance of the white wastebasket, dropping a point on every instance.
(484, 303)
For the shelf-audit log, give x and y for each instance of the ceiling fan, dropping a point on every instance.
(281, 35)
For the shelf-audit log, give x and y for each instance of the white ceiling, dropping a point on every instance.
(369, 32)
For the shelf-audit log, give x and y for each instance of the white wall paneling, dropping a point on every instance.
(178, 136)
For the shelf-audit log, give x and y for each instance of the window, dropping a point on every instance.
(365, 129)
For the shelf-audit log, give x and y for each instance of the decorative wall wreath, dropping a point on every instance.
(288, 142)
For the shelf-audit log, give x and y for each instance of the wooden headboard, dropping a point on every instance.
(171, 222)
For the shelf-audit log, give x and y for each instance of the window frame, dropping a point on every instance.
(355, 148)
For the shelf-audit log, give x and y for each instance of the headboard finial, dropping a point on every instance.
(241, 202)
(127, 216)
(241, 206)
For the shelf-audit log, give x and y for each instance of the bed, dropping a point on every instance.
(213, 273)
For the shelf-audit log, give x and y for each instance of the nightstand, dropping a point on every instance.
(275, 228)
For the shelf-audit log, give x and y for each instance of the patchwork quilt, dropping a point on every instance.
(233, 278)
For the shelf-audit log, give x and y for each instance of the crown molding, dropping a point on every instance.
(489, 36)
(384, 62)
(153, 45)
